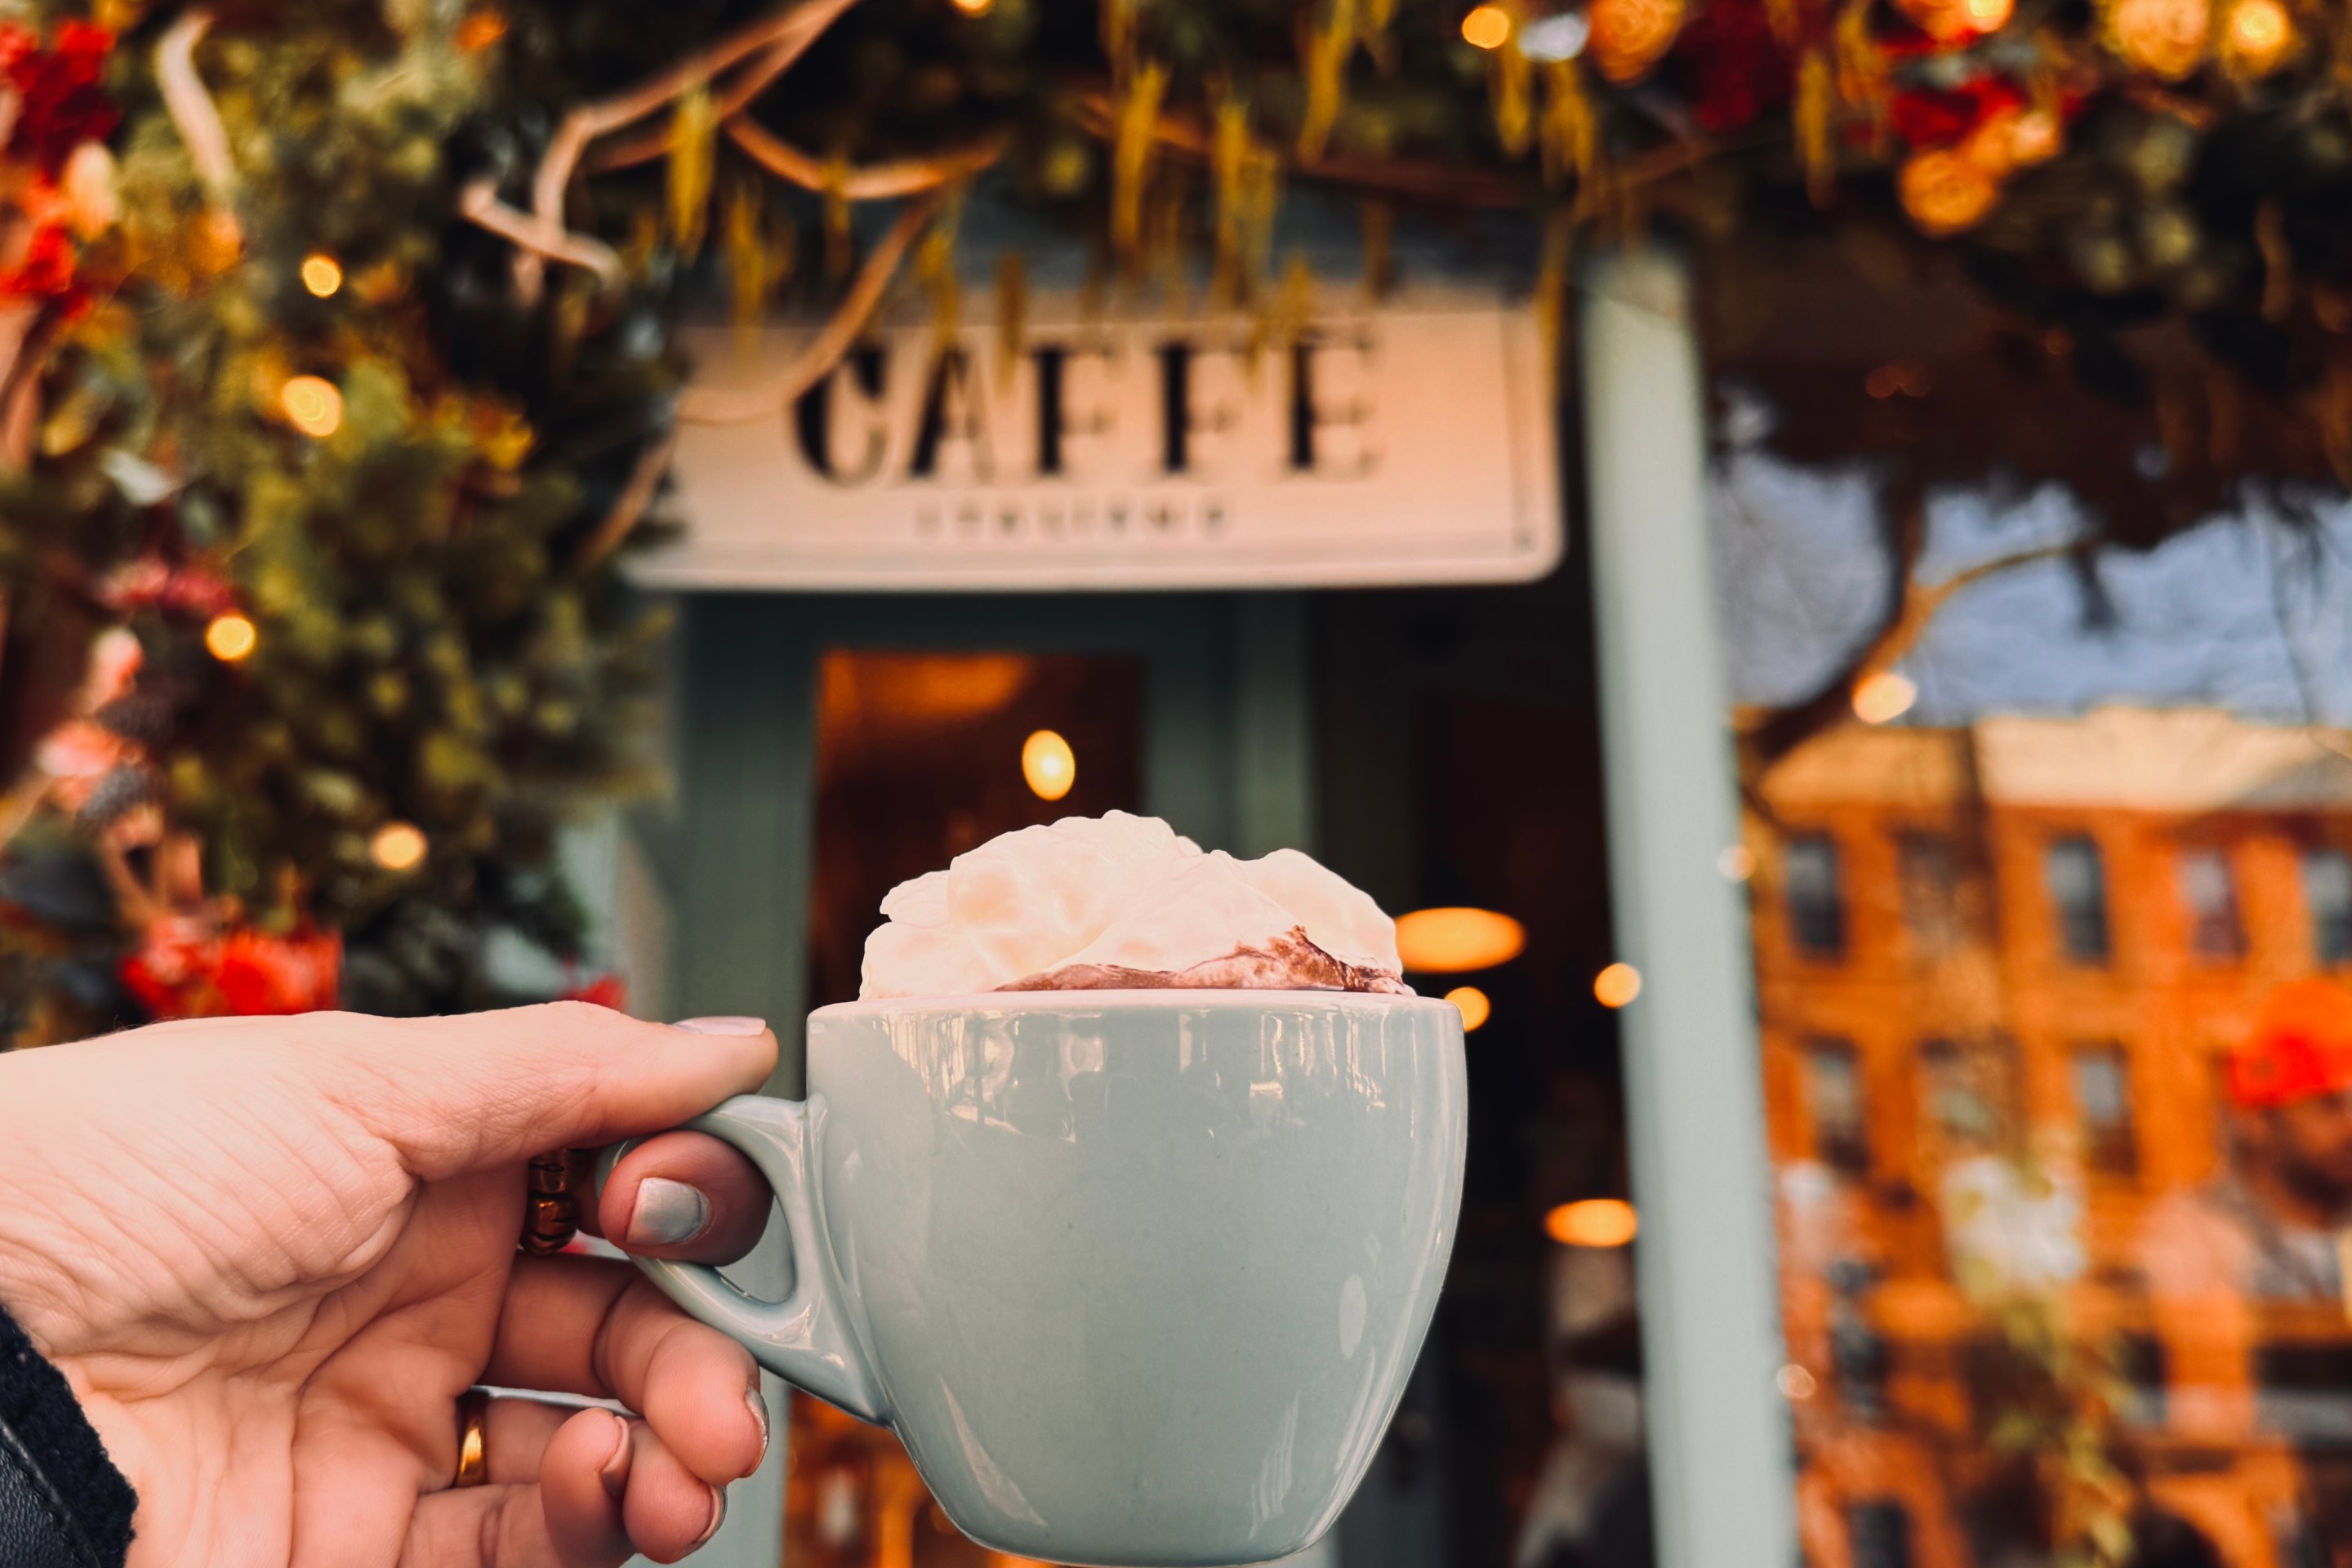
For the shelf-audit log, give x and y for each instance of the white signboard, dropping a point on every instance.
(1413, 442)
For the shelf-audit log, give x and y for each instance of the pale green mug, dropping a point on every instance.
(1138, 1277)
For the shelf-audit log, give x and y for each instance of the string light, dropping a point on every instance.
(974, 7)
(230, 637)
(312, 405)
(1885, 696)
(1450, 941)
(398, 845)
(1593, 1222)
(1487, 28)
(1474, 1007)
(322, 274)
(1617, 984)
(2260, 37)
(1049, 764)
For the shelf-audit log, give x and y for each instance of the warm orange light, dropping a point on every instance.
(322, 274)
(230, 637)
(1487, 28)
(312, 405)
(1595, 1222)
(1617, 984)
(1883, 696)
(398, 845)
(1049, 764)
(974, 7)
(1474, 1007)
(1449, 941)
(2260, 36)
(1988, 15)
(1794, 1382)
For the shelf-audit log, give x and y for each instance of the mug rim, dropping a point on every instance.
(1225, 998)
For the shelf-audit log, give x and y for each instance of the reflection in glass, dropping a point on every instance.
(1816, 905)
(2078, 888)
(2210, 894)
(1833, 1100)
(2102, 1100)
(2327, 895)
(1930, 872)
(1881, 1533)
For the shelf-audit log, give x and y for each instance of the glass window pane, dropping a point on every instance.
(1816, 903)
(2209, 896)
(1833, 1099)
(2328, 896)
(2078, 891)
(1930, 872)
(2103, 1102)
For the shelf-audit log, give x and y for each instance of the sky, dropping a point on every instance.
(2245, 612)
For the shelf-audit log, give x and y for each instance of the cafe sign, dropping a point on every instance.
(1413, 442)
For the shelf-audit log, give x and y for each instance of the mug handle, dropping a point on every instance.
(806, 1339)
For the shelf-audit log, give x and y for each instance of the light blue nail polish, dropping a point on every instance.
(667, 1213)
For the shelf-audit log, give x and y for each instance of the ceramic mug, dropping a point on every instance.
(1138, 1277)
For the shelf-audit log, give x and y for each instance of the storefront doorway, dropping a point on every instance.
(1438, 747)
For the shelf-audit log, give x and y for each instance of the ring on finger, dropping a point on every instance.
(551, 1212)
(473, 1443)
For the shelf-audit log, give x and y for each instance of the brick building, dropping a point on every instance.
(2035, 935)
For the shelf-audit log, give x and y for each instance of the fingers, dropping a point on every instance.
(459, 1093)
(684, 1195)
(595, 1326)
(584, 1478)
(606, 1488)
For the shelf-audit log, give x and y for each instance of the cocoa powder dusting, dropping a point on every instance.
(1288, 963)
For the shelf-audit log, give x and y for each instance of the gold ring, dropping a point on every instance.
(473, 1448)
(552, 1215)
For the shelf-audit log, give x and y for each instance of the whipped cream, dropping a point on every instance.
(1123, 902)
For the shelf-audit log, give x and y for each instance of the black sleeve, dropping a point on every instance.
(62, 1503)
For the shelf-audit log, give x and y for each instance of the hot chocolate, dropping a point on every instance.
(1124, 902)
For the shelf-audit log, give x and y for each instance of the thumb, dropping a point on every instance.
(486, 1089)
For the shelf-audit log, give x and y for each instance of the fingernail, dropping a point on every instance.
(615, 1471)
(667, 1213)
(718, 1517)
(723, 1025)
(760, 1414)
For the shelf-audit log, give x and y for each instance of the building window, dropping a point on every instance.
(1929, 870)
(2327, 894)
(1833, 1100)
(1951, 1108)
(2103, 1100)
(1816, 905)
(1880, 1534)
(2078, 886)
(2210, 894)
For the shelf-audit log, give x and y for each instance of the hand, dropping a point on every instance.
(270, 1253)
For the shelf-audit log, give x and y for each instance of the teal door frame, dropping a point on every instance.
(1228, 750)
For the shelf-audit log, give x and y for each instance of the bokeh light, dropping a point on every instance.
(1617, 984)
(1049, 764)
(230, 637)
(1449, 941)
(322, 274)
(1881, 698)
(1593, 1222)
(398, 845)
(1487, 28)
(312, 405)
(1471, 1002)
